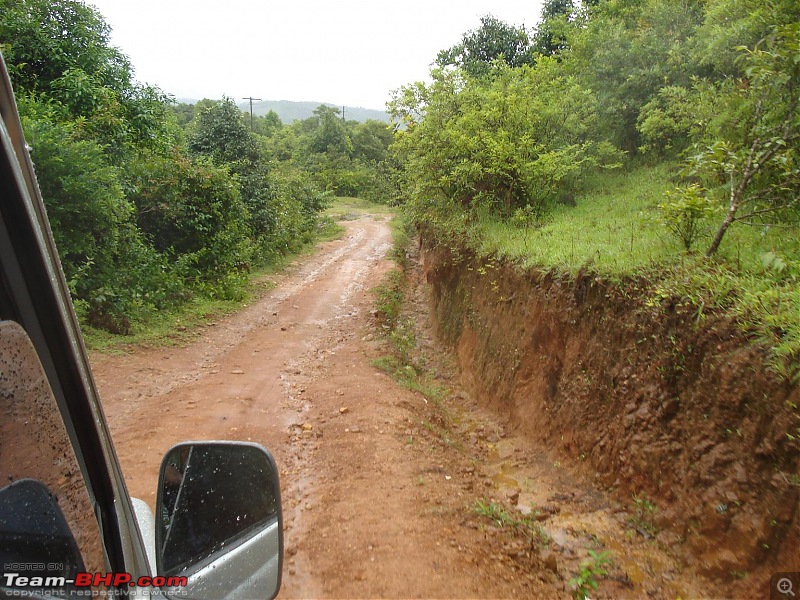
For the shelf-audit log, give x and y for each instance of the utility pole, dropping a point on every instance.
(343, 107)
(251, 109)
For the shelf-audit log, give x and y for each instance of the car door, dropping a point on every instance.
(53, 428)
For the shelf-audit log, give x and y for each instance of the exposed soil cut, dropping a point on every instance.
(668, 411)
(382, 487)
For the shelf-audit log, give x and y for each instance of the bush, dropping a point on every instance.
(686, 212)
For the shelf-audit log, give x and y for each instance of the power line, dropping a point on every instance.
(251, 109)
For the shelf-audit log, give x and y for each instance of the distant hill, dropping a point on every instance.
(290, 111)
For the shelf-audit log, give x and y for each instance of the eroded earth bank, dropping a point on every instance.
(502, 487)
(670, 408)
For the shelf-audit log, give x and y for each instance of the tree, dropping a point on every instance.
(59, 49)
(732, 24)
(193, 212)
(515, 141)
(184, 113)
(550, 37)
(494, 41)
(112, 272)
(268, 124)
(329, 133)
(627, 51)
(220, 132)
(754, 150)
(43, 39)
(371, 141)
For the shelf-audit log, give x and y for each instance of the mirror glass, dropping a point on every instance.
(212, 497)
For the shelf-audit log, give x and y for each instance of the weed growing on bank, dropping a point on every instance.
(520, 525)
(592, 570)
(397, 328)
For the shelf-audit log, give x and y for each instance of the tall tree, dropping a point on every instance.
(493, 41)
(60, 49)
(514, 141)
(754, 150)
(219, 131)
(550, 37)
(329, 132)
(627, 51)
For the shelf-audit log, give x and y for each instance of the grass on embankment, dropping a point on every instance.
(616, 231)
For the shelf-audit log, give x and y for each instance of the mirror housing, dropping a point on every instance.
(219, 521)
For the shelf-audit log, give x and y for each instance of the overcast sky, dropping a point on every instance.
(351, 52)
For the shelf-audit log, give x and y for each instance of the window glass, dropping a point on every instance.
(34, 445)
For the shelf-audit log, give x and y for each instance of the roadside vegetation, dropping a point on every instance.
(654, 143)
(160, 209)
(645, 141)
(404, 361)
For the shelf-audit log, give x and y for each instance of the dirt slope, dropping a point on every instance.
(665, 408)
(379, 484)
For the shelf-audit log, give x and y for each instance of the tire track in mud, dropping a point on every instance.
(244, 378)
(378, 489)
(179, 366)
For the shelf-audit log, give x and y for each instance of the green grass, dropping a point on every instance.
(614, 228)
(404, 364)
(185, 323)
(345, 208)
(519, 524)
(616, 231)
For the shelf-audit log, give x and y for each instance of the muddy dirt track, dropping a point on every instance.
(380, 486)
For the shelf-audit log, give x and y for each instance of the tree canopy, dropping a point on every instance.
(494, 41)
(514, 120)
(151, 203)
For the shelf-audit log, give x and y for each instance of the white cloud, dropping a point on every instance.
(350, 52)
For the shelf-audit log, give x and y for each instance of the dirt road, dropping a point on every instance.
(381, 488)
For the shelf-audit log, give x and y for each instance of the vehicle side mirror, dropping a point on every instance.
(219, 521)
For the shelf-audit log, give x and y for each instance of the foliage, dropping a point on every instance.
(193, 213)
(685, 213)
(280, 204)
(59, 49)
(500, 517)
(644, 512)
(752, 156)
(219, 132)
(675, 116)
(145, 213)
(519, 139)
(491, 166)
(551, 34)
(626, 52)
(112, 272)
(493, 43)
(43, 39)
(345, 158)
(730, 25)
(592, 569)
